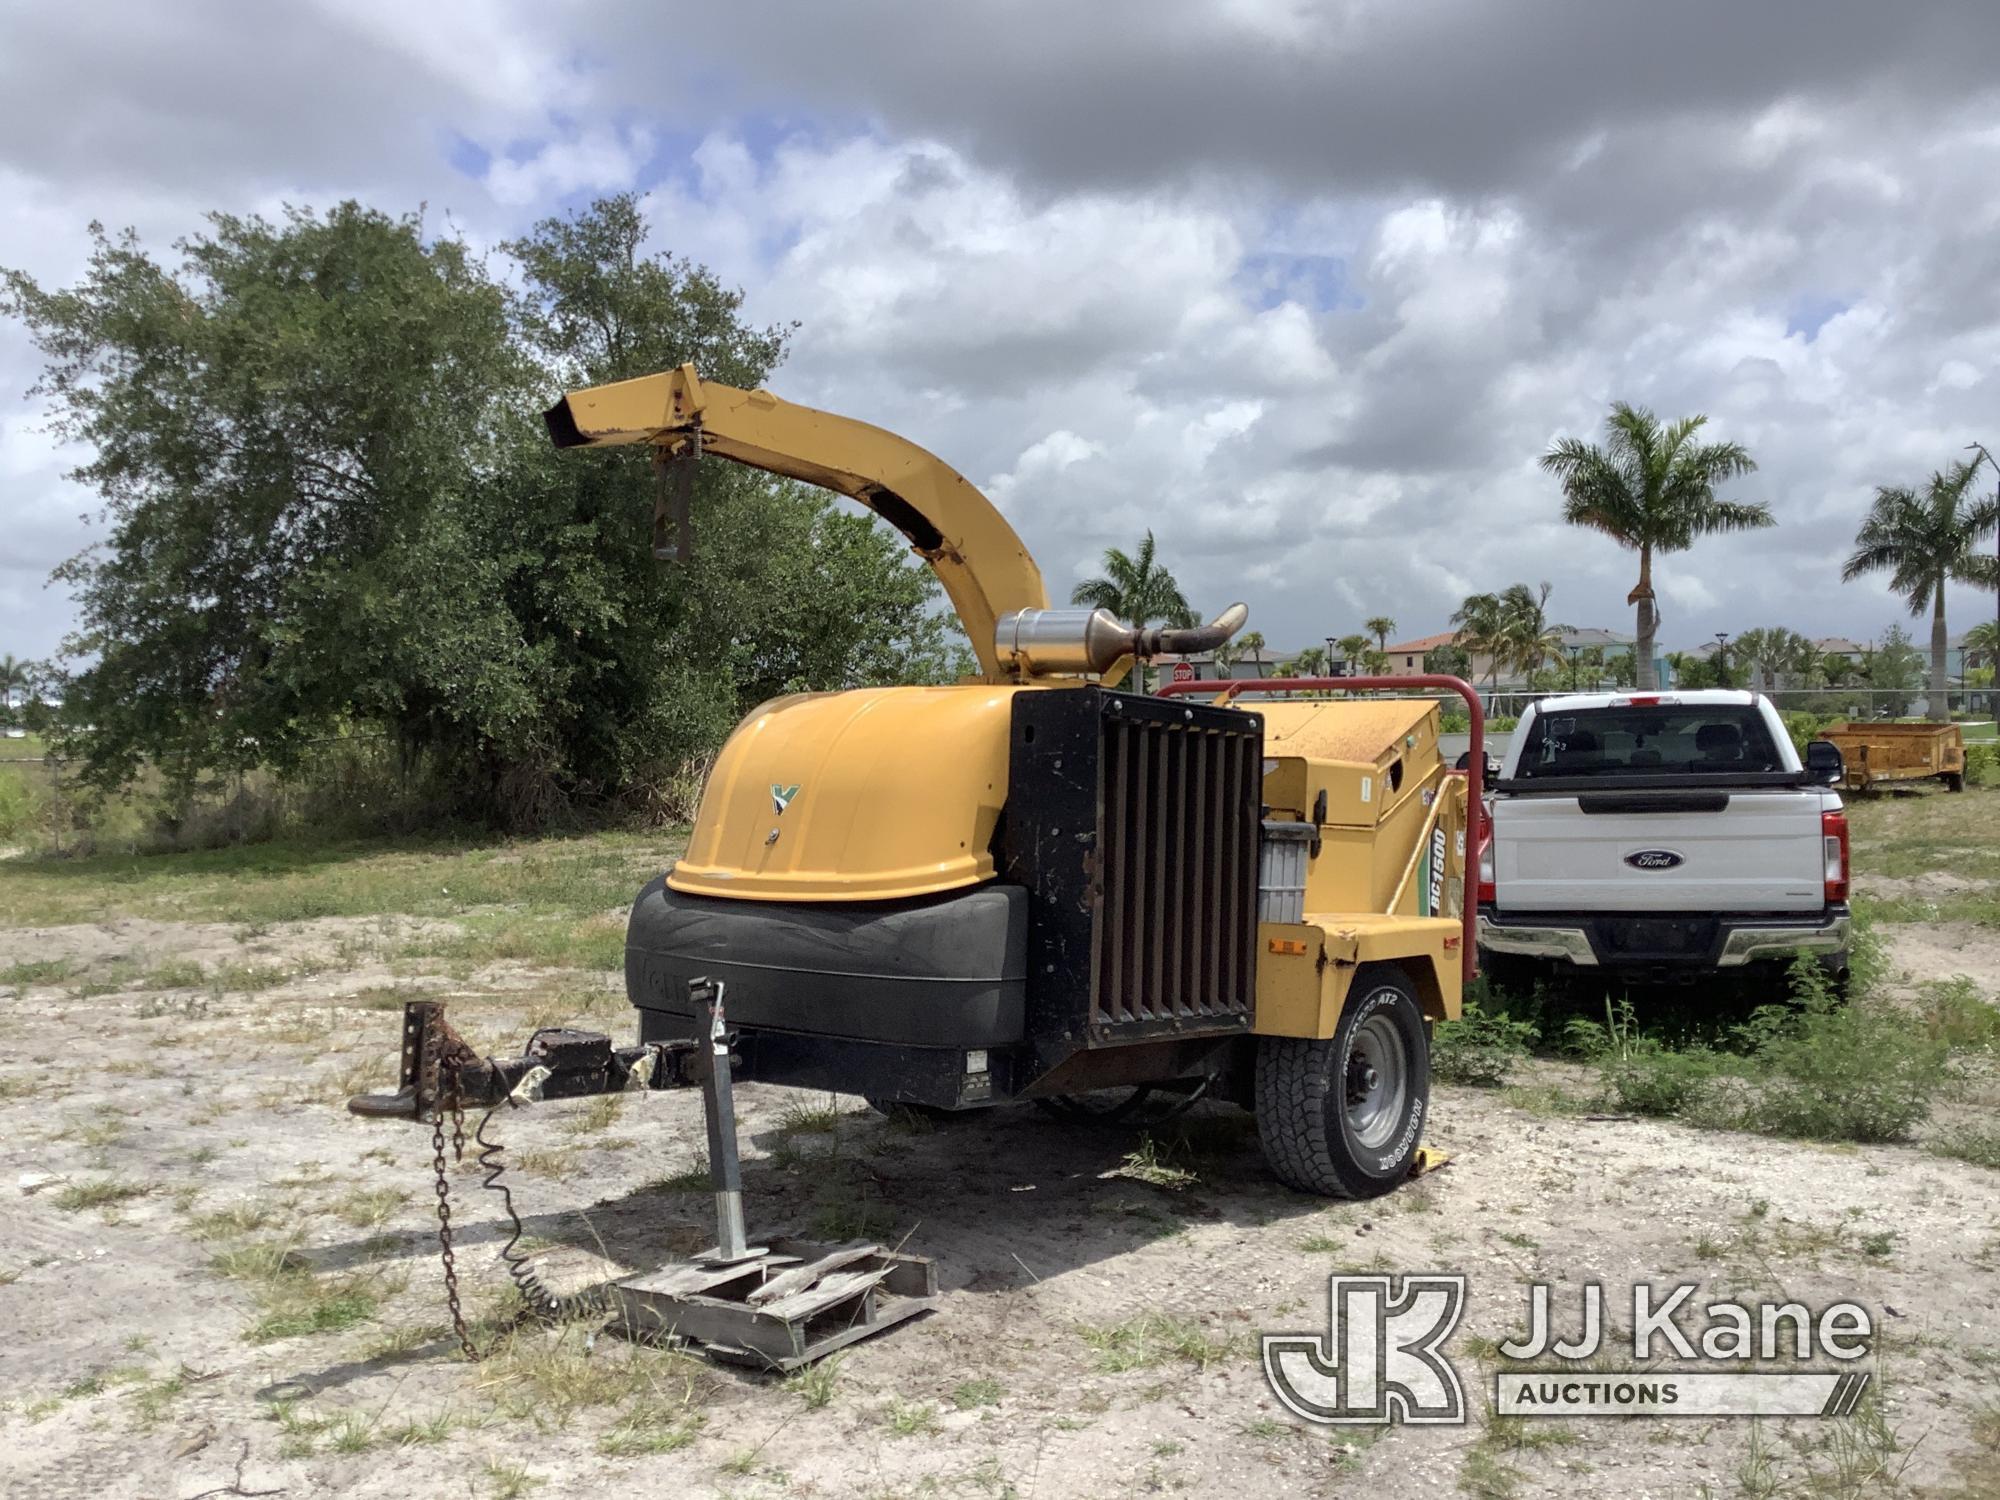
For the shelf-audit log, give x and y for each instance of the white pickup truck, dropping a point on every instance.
(1657, 837)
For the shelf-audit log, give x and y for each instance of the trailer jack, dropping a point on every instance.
(777, 1305)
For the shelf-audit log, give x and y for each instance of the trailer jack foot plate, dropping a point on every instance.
(779, 1311)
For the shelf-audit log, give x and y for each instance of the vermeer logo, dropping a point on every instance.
(781, 796)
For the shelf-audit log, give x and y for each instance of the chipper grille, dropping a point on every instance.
(1133, 823)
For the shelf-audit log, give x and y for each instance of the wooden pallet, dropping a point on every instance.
(797, 1304)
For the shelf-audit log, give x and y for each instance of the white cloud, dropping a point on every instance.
(588, 161)
(1315, 341)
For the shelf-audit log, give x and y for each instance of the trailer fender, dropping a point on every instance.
(1306, 969)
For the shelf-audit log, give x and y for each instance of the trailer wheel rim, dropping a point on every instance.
(1377, 1082)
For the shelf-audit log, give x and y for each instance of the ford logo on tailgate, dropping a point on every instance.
(1655, 859)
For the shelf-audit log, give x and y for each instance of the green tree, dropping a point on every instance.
(331, 504)
(1310, 662)
(1982, 644)
(1251, 644)
(1481, 623)
(1353, 650)
(1651, 488)
(1527, 635)
(1138, 589)
(1381, 627)
(1448, 661)
(15, 677)
(1924, 540)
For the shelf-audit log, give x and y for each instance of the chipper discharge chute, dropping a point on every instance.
(1027, 885)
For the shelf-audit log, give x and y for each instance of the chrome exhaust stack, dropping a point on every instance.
(1055, 642)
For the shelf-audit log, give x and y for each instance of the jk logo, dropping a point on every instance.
(781, 796)
(1378, 1360)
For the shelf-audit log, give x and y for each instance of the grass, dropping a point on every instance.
(1980, 1147)
(546, 1376)
(369, 1208)
(292, 1301)
(1150, 1164)
(1155, 1339)
(910, 1418)
(105, 1192)
(975, 1393)
(1906, 836)
(816, 1383)
(1482, 1046)
(38, 971)
(810, 1119)
(567, 888)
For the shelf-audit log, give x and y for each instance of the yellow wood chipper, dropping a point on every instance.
(1029, 885)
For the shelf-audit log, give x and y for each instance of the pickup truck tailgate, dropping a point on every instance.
(1736, 851)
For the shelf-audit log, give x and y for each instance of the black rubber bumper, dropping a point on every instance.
(946, 971)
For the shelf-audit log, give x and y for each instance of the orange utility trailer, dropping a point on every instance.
(1881, 753)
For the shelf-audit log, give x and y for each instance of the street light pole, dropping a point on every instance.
(1574, 652)
(1722, 658)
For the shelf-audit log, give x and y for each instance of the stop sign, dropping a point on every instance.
(1183, 671)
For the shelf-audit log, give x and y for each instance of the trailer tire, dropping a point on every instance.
(1343, 1117)
(1954, 781)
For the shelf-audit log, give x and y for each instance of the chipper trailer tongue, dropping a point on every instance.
(1024, 886)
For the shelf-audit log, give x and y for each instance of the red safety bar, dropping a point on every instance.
(1476, 832)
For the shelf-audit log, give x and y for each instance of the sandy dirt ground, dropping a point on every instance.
(215, 1281)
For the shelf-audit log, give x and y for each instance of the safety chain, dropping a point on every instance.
(446, 1080)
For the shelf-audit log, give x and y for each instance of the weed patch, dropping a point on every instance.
(1481, 1047)
(1155, 1339)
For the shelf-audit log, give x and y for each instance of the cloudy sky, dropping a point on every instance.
(1304, 287)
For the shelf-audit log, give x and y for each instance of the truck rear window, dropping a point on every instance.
(1658, 740)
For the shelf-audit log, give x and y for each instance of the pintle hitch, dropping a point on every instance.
(776, 1305)
(559, 1063)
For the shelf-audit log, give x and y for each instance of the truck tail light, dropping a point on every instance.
(1833, 839)
(1486, 881)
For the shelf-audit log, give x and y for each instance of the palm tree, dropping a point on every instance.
(1137, 590)
(1381, 627)
(1983, 641)
(1527, 636)
(1251, 644)
(1352, 649)
(1310, 662)
(1651, 488)
(1481, 623)
(14, 678)
(1925, 540)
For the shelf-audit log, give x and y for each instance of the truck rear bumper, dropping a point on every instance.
(1666, 940)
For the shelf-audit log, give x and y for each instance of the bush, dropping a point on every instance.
(1642, 1074)
(1982, 764)
(1651, 1079)
(20, 806)
(1804, 727)
(1859, 1071)
(1480, 1047)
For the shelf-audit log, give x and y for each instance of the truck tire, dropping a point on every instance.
(1343, 1117)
